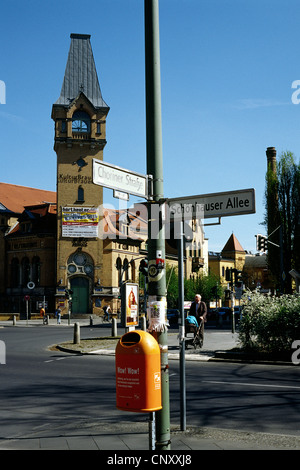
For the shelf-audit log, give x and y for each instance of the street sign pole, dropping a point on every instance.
(156, 246)
(182, 331)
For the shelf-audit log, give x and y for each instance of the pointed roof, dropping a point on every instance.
(80, 74)
(233, 245)
(14, 198)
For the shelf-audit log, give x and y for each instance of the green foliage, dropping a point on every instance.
(206, 285)
(269, 324)
(172, 286)
(282, 200)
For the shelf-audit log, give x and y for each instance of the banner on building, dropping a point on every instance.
(80, 222)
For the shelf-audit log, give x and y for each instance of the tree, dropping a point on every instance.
(172, 286)
(207, 286)
(283, 210)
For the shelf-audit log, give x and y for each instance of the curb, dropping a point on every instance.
(217, 356)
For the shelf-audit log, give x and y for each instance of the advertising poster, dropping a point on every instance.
(80, 222)
(131, 304)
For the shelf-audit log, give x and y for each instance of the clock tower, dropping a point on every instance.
(80, 120)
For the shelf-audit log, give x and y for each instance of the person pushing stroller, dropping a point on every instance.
(199, 311)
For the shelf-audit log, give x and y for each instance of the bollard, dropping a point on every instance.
(14, 320)
(91, 320)
(114, 327)
(76, 339)
(143, 323)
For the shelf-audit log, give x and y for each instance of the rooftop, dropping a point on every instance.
(233, 245)
(14, 198)
(80, 74)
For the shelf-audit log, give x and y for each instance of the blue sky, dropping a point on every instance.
(227, 68)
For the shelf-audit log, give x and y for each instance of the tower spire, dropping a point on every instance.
(81, 74)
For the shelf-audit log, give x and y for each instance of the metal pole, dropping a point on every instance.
(152, 431)
(182, 332)
(156, 280)
(232, 312)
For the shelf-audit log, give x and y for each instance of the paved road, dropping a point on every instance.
(57, 399)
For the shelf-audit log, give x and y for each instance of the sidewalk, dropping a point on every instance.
(134, 435)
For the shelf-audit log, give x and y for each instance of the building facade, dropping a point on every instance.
(79, 115)
(27, 246)
(63, 248)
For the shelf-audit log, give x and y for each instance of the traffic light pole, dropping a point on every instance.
(156, 244)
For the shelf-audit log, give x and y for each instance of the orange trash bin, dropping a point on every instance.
(138, 374)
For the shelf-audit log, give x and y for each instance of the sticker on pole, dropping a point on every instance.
(156, 314)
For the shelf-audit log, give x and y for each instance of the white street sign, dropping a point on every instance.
(213, 205)
(114, 177)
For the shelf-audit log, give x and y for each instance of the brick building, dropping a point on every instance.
(50, 242)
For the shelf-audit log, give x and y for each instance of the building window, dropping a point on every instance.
(80, 194)
(119, 269)
(98, 128)
(81, 122)
(36, 270)
(15, 273)
(80, 263)
(25, 271)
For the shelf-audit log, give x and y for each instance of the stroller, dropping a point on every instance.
(194, 330)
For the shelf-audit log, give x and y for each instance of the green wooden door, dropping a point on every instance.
(80, 297)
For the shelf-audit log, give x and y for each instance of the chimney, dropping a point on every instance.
(271, 157)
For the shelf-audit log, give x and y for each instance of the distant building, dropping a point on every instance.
(253, 268)
(256, 273)
(27, 246)
(232, 256)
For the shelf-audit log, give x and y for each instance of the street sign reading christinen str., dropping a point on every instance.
(213, 205)
(114, 177)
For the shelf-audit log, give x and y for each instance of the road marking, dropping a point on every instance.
(56, 359)
(249, 384)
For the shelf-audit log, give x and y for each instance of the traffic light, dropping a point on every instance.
(238, 279)
(261, 243)
(144, 267)
(68, 293)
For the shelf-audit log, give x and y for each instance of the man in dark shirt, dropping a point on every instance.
(199, 310)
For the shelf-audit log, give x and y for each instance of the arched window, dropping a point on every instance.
(15, 273)
(81, 122)
(80, 263)
(80, 194)
(25, 271)
(119, 269)
(126, 269)
(36, 270)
